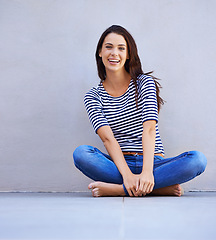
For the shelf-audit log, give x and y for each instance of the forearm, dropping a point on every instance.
(117, 156)
(131, 181)
(114, 150)
(148, 142)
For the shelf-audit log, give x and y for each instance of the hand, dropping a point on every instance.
(146, 183)
(131, 182)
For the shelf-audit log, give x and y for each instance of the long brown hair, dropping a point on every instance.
(132, 65)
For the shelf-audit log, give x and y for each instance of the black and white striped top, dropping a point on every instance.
(122, 114)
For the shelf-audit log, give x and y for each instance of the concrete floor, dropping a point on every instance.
(80, 216)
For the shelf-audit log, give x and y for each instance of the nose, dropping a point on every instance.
(114, 52)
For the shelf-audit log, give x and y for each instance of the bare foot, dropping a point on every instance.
(101, 189)
(174, 190)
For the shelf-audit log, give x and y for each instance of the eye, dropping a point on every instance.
(122, 48)
(108, 47)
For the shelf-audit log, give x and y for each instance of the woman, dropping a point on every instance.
(123, 110)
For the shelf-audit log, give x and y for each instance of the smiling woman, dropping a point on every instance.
(123, 110)
(114, 52)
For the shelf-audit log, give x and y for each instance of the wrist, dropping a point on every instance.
(127, 173)
(147, 170)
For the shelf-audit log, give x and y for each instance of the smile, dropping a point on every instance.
(114, 60)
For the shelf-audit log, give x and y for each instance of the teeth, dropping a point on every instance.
(114, 61)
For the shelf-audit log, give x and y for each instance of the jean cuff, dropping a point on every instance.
(126, 192)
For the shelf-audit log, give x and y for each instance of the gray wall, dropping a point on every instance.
(47, 64)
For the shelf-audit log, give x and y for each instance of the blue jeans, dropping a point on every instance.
(167, 171)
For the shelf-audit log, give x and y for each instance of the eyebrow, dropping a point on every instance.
(121, 44)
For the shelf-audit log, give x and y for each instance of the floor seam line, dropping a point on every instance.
(122, 222)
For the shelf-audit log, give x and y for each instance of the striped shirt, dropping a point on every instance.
(122, 114)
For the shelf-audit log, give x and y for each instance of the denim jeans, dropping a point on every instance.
(167, 171)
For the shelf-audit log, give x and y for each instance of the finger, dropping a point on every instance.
(134, 192)
(137, 185)
(148, 189)
(152, 187)
(130, 193)
(135, 188)
(143, 193)
(140, 190)
(140, 194)
(145, 186)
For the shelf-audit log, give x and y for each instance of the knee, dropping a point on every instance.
(79, 154)
(199, 161)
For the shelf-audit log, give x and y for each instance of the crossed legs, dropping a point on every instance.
(168, 173)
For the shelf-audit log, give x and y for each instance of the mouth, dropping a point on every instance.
(114, 61)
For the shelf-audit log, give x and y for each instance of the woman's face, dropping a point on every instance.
(114, 52)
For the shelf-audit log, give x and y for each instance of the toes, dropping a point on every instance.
(95, 192)
(94, 185)
(177, 190)
(178, 193)
(90, 186)
(180, 190)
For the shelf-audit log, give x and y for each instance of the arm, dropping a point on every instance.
(146, 180)
(148, 94)
(114, 150)
(101, 126)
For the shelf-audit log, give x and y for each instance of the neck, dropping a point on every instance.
(117, 79)
(116, 83)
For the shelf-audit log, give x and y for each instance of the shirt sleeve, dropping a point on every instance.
(94, 110)
(147, 91)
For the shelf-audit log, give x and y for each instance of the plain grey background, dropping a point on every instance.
(47, 64)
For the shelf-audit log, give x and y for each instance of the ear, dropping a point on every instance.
(127, 56)
(100, 53)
